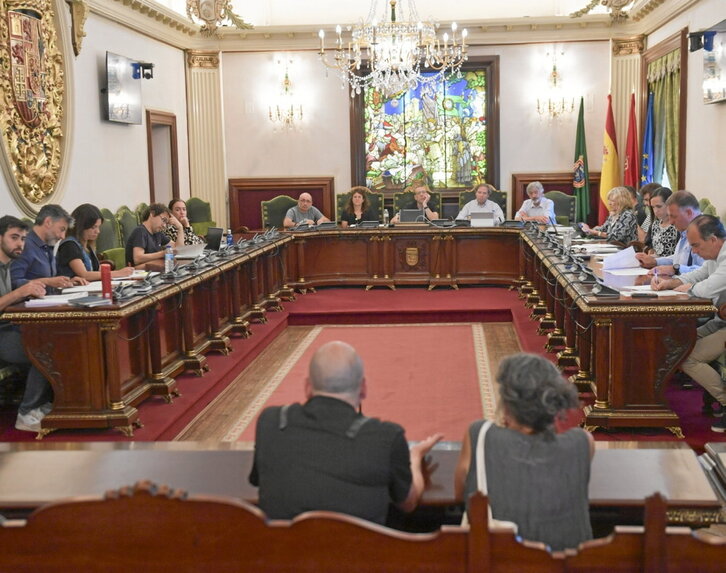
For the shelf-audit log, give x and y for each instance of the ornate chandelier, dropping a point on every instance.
(397, 52)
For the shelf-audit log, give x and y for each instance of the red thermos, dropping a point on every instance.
(106, 282)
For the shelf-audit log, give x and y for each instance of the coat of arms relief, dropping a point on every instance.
(32, 88)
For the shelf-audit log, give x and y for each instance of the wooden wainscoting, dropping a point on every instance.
(246, 194)
(561, 181)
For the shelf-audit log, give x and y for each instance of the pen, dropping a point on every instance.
(655, 275)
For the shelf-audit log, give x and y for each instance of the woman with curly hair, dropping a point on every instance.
(358, 209)
(534, 477)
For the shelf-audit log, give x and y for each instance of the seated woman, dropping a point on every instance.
(533, 476)
(662, 237)
(178, 208)
(621, 225)
(146, 243)
(357, 209)
(643, 211)
(76, 254)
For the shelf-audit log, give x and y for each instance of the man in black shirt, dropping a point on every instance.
(325, 455)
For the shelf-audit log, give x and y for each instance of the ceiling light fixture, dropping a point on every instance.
(397, 52)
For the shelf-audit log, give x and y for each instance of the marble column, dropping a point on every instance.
(207, 165)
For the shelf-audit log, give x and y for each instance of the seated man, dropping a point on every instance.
(420, 202)
(682, 208)
(147, 241)
(36, 401)
(37, 261)
(482, 204)
(325, 455)
(537, 208)
(707, 237)
(305, 213)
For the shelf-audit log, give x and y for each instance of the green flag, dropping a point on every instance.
(580, 172)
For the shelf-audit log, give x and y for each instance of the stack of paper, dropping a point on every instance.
(52, 300)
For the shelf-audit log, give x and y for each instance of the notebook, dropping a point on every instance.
(482, 219)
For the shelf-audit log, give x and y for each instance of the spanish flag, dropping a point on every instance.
(610, 175)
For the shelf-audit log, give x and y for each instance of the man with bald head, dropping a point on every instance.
(326, 455)
(305, 212)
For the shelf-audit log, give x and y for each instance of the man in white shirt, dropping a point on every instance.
(682, 209)
(537, 208)
(482, 204)
(707, 237)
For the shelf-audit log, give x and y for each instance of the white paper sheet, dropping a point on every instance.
(632, 272)
(625, 259)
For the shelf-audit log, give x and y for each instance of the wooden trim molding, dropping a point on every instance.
(246, 194)
(155, 118)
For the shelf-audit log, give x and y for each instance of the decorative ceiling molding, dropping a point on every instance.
(158, 22)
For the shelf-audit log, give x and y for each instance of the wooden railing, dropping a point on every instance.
(152, 528)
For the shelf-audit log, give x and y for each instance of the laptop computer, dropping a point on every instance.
(214, 239)
(482, 219)
(412, 216)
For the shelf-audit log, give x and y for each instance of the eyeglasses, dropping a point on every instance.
(165, 220)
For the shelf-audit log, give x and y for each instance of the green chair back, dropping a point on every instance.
(110, 235)
(273, 211)
(200, 215)
(565, 207)
(707, 208)
(375, 200)
(403, 199)
(498, 196)
(128, 221)
(198, 210)
(140, 211)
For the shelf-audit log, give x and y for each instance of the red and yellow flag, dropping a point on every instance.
(610, 175)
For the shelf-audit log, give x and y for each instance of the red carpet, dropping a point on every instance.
(422, 377)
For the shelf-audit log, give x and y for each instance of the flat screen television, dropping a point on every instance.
(123, 92)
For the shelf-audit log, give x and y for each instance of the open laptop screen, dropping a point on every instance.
(412, 216)
(214, 238)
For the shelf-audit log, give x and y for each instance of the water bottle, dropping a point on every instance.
(230, 238)
(385, 217)
(169, 259)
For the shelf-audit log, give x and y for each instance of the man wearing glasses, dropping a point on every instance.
(147, 241)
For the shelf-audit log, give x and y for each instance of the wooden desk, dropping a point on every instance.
(404, 255)
(34, 474)
(625, 350)
(103, 362)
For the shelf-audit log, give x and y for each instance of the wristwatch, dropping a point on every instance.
(676, 269)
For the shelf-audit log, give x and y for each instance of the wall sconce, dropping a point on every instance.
(555, 103)
(286, 111)
(142, 69)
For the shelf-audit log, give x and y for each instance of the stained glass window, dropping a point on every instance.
(440, 126)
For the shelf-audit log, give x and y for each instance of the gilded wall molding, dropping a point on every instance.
(629, 46)
(79, 13)
(203, 59)
(32, 84)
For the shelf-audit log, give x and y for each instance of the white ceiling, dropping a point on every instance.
(274, 13)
